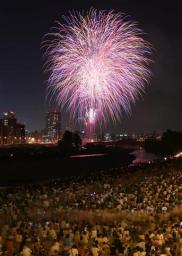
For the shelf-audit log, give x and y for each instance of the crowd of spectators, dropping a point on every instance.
(126, 211)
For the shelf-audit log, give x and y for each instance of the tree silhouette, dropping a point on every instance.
(70, 142)
(66, 144)
(77, 141)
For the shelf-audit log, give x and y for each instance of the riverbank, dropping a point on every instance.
(29, 165)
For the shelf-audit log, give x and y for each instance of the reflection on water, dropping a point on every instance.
(143, 157)
(88, 155)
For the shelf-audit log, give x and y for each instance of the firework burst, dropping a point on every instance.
(98, 63)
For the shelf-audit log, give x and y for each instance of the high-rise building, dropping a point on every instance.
(53, 126)
(11, 132)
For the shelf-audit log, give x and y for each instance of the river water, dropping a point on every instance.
(143, 157)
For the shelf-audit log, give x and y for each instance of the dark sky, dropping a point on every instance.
(23, 84)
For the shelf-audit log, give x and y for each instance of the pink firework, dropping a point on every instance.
(98, 64)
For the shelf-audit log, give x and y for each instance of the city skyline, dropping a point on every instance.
(23, 83)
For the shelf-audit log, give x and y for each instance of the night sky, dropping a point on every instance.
(23, 82)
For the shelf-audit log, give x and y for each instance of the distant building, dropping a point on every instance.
(34, 137)
(11, 132)
(53, 126)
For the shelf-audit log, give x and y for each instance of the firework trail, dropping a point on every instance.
(98, 64)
